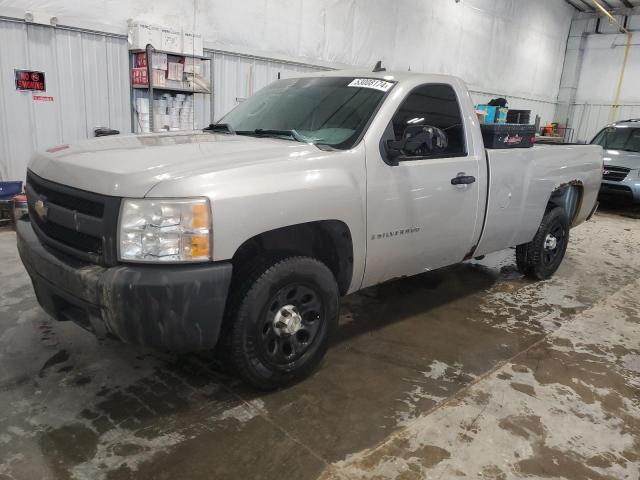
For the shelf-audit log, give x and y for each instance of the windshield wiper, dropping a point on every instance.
(220, 127)
(265, 132)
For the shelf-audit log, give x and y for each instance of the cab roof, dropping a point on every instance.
(397, 76)
(631, 121)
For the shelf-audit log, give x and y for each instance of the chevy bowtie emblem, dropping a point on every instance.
(41, 209)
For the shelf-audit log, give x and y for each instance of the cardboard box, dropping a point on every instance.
(175, 71)
(159, 61)
(139, 76)
(171, 40)
(140, 34)
(193, 65)
(197, 84)
(159, 78)
(192, 43)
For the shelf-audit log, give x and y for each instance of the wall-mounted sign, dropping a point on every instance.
(30, 80)
(42, 98)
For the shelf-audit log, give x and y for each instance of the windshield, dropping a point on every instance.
(619, 138)
(331, 111)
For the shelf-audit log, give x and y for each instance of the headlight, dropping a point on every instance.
(159, 230)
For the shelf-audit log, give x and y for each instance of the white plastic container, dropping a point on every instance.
(159, 61)
(175, 71)
(192, 43)
(141, 33)
(142, 105)
(171, 40)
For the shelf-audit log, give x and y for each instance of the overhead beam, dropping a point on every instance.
(612, 19)
(627, 3)
(590, 7)
(607, 4)
(570, 2)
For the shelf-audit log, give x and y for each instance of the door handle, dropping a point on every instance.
(463, 180)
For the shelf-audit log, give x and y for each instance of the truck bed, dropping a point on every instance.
(521, 181)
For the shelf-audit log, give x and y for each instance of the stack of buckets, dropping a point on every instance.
(173, 112)
(142, 110)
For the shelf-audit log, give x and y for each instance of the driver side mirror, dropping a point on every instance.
(417, 141)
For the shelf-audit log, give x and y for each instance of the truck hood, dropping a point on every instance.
(130, 165)
(622, 158)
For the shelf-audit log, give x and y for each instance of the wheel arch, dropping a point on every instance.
(569, 197)
(329, 241)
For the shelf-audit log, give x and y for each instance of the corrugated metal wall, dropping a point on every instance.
(595, 52)
(232, 76)
(588, 119)
(87, 76)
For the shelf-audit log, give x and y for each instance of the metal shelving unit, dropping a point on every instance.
(150, 88)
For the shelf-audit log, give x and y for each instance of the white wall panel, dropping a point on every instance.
(71, 96)
(588, 119)
(15, 107)
(601, 66)
(592, 69)
(512, 46)
(232, 78)
(87, 76)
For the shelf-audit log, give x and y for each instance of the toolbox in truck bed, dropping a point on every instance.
(508, 135)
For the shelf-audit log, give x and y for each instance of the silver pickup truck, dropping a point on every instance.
(244, 236)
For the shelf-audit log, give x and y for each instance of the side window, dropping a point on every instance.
(433, 105)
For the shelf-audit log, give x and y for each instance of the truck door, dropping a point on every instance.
(422, 206)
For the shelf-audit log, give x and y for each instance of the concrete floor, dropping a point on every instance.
(470, 371)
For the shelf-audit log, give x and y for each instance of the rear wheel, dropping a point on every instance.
(281, 321)
(540, 258)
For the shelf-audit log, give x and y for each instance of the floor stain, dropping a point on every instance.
(60, 357)
(469, 371)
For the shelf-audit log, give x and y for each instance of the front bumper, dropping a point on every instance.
(179, 307)
(628, 188)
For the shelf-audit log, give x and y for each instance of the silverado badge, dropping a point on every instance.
(41, 209)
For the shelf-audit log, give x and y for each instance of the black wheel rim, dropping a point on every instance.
(284, 347)
(551, 255)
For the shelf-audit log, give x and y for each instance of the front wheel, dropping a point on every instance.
(540, 258)
(281, 321)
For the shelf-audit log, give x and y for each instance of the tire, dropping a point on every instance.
(540, 258)
(280, 321)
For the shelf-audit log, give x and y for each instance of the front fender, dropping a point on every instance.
(254, 199)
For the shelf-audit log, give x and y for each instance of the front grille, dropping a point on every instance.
(78, 240)
(608, 187)
(615, 174)
(78, 223)
(70, 202)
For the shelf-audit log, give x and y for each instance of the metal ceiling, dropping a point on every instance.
(588, 6)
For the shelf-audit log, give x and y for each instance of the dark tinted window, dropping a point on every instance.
(433, 105)
(619, 138)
